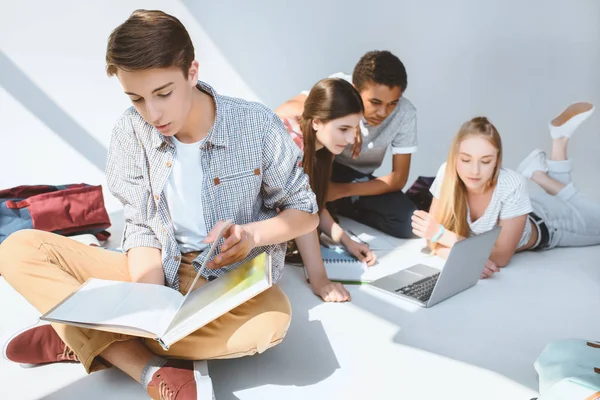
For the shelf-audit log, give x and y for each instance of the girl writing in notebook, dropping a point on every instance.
(329, 124)
(473, 193)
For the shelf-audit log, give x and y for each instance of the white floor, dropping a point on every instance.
(480, 344)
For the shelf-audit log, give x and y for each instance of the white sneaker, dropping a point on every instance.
(204, 385)
(567, 121)
(535, 161)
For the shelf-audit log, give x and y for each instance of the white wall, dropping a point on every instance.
(517, 62)
(55, 98)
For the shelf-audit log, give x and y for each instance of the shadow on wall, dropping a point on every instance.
(46, 110)
(274, 50)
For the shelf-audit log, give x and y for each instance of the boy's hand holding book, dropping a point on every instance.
(238, 243)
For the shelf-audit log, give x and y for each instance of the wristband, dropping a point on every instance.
(438, 235)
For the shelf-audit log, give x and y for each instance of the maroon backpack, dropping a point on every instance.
(65, 209)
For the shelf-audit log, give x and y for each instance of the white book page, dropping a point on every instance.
(220, 296)
(210, 312)
(138, 305)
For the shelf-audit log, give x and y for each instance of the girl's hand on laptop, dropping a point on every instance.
(361, 251)
(238, 243)
(331, 291)
(424, 225)
(489, 269)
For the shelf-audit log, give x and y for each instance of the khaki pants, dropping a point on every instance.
(45, 268)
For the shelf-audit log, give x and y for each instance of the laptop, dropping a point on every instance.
(426, 285)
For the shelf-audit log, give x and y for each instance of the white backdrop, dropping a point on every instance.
(519, 63)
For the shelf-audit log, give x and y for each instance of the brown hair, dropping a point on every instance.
(329, 99)
(149, 39)
(452, 209)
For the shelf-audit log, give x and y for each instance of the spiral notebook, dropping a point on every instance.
(342, 266)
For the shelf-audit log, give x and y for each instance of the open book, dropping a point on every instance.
(159, 312)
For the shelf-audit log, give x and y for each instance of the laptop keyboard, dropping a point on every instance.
(420, 290)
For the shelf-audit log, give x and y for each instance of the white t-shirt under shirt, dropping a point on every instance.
(509, 200)
(399, 130)
(183, 192)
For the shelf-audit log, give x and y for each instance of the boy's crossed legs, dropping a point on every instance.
(45, 268)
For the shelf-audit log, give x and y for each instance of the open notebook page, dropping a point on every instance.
(140, 305)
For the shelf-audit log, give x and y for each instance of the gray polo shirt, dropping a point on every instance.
(399, 130)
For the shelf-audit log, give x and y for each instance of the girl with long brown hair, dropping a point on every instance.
(329, 124)
(473, 193)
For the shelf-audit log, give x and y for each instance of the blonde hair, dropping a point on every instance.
(452, 207)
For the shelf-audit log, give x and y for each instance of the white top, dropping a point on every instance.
(398, 131)
(509, 200)
(183, 193)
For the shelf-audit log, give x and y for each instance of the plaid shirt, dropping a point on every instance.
(251, 166)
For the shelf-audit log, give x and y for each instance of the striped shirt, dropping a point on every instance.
(509, 200)
(251, 169)
(293, 128)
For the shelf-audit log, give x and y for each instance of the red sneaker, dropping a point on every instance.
(181, 380)
(37, 345)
